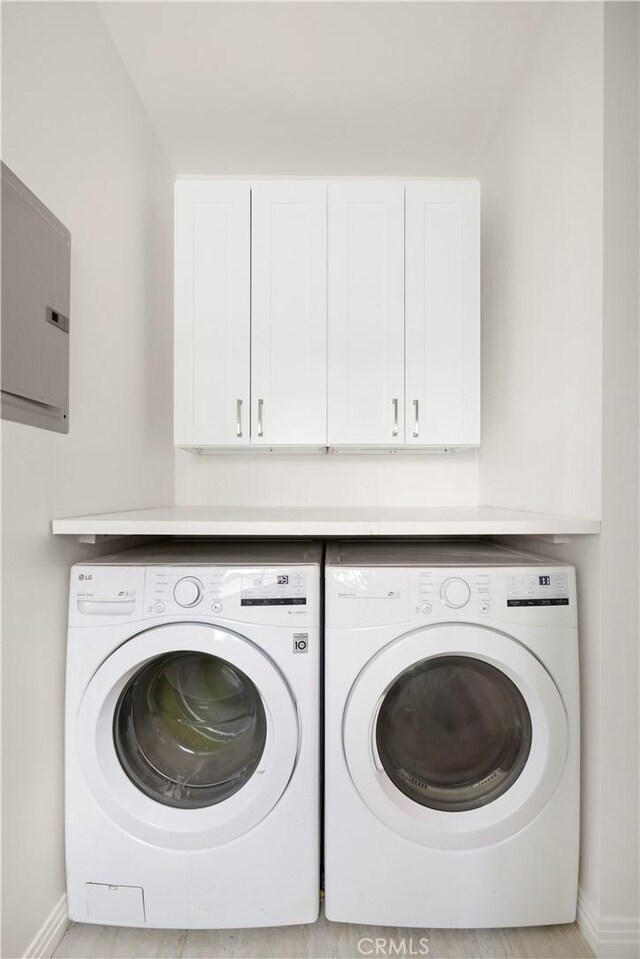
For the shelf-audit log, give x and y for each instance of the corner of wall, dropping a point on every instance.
(50, 933)
(610, 937)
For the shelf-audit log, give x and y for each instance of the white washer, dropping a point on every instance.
(452, 736)
(192, 736)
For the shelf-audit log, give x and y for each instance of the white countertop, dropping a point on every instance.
(323, 522)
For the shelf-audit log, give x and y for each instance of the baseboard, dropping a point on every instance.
(610, 937)
(587, 920)
(52, 931)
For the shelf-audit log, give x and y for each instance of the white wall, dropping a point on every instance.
(542, 327)
(619, 906)
(560, 368)
(395, 89)
(326, 480)
(542, 279)
(75, 132)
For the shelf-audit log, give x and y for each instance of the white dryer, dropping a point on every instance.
(192, 736)
(451, 736)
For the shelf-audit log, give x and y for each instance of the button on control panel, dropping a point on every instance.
(455, 592)
(188, 591)
(442, 590)
(175, 590)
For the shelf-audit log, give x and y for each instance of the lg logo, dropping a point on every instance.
(82, 576)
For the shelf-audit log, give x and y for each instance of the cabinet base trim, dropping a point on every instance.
(243, 450)
(403, 450)
(319, 450)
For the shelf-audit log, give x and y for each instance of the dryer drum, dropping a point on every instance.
(453, 733)
(189, 729)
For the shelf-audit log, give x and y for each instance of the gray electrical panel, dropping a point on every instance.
(36, 279)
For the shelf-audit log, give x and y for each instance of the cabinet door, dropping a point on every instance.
(212, 313)
(443, 313)
(366, 314)
(289, 314)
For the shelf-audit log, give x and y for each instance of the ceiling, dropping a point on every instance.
(325, 88)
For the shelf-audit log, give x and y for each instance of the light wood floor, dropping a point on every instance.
(323, 940)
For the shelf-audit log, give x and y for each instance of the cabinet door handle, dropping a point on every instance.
(260, 405)
(416, 424)
(238, 417)
(394, 431)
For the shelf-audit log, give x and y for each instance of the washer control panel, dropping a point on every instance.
(172, 590)
(269, 596)
(188, 591)
(228, 593)
(455, 592)
(273, 588)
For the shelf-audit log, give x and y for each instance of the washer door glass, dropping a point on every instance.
(189, 729)
(453, 733)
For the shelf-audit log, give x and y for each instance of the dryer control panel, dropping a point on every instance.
(484, 593)
(369, 596)
(453, 590)
(538, 589)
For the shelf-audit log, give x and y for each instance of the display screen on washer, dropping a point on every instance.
(538, 589)
(267, 588)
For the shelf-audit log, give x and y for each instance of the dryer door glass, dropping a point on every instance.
(189, 729)
(453, 733)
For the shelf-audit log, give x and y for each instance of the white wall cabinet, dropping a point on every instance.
(250, 314)
(288, 317)
(342, 314)
(212, 313)
(366, 314)
(442, 313)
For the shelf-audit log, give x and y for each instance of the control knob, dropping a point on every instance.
(455, 592)
(188, 591)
